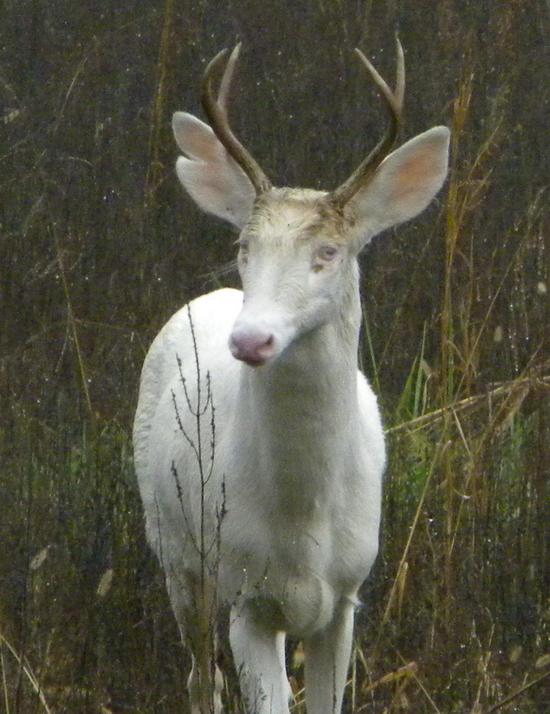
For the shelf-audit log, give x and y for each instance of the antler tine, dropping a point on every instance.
(216, 111)
(394, 104)
(227, 78)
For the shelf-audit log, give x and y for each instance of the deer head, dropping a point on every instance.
(297, 247)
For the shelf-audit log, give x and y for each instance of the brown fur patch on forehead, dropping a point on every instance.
(296, 214)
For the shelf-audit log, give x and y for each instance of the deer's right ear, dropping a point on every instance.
(210, 176)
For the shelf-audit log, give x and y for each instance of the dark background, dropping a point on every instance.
(99, 245)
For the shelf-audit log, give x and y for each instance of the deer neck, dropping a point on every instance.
(302, 410)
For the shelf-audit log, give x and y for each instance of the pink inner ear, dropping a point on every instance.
(200, 143)
(414, 172)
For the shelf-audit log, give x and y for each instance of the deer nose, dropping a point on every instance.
(254, 348)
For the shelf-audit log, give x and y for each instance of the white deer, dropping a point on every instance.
(258, 443)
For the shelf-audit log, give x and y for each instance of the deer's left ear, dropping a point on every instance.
(402, 186)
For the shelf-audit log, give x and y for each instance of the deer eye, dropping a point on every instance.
(324, 255)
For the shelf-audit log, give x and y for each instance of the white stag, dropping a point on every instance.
(271, 504)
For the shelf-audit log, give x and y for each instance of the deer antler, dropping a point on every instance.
(216, 111)
(394, 104)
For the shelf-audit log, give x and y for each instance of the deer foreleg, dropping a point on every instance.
(327, 655)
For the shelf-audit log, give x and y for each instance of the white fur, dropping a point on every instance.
(289, 514)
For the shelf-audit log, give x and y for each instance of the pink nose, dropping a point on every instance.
(254, 348)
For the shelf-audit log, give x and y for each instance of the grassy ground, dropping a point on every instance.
(457, 613)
